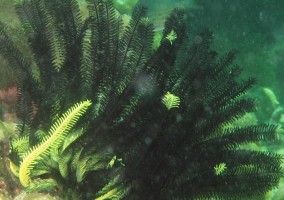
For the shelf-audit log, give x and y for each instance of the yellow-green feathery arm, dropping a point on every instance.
(56, 135)
(171, 101)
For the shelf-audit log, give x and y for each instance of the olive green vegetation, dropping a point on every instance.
(131, 122)
(8, 16)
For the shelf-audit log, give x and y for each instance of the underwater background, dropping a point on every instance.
(180, 99)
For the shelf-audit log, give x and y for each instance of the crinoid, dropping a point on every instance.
(156, 128)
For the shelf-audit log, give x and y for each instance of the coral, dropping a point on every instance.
(34, 196)
(272, 97)
(9, 95)
(8, 184)
(8, 99)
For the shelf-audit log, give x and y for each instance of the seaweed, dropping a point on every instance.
(156, 128)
